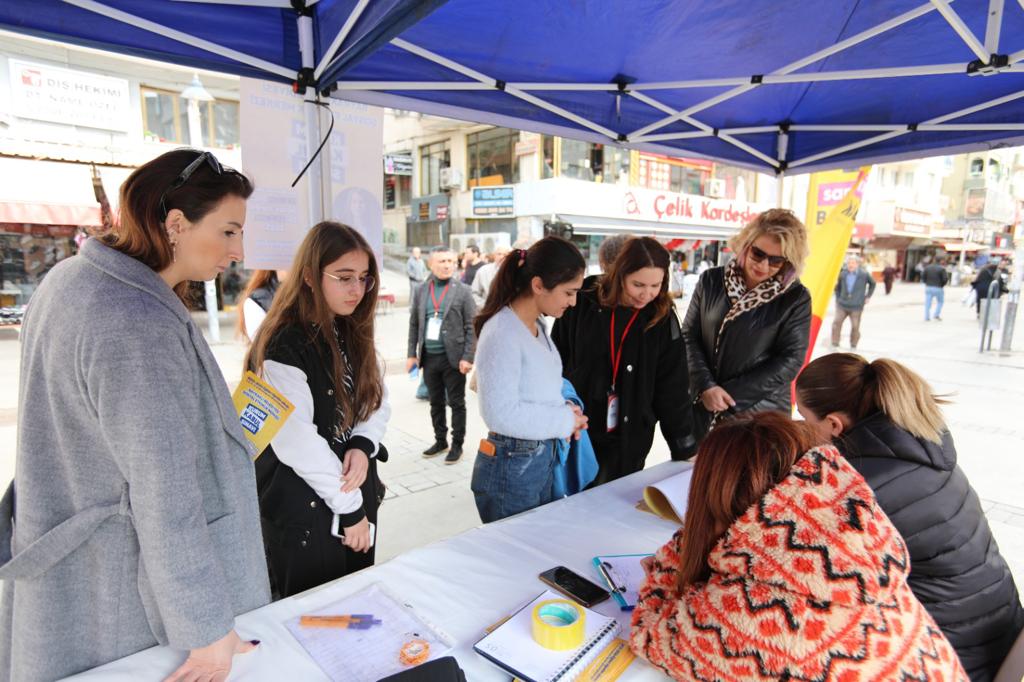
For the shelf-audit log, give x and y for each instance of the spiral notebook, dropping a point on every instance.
(511, 647)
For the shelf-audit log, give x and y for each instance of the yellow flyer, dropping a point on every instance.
(262, 410)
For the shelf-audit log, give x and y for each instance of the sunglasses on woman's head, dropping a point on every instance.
(204, 157)
(759, 256)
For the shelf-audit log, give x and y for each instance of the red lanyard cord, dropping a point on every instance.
(437, 303)
(617, 357)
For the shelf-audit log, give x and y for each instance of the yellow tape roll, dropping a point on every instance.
(558, 624)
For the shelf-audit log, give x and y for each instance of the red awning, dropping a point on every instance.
(49, 214)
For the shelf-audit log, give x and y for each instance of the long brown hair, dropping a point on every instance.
(553, 259)
(258, 280)
(636, 254)
(846, 383)
(300, 302)
(739, 461)
(139, 231)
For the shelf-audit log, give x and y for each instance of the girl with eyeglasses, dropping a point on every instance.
(317, 481)
(134, 496)
(748, 324)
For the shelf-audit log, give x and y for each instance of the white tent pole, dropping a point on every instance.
(1017, 56)
(994, 26)
(958, 25)
(674, 136)
(955, 127)
(181, 37)
(781, 149)
(466, 71)
(748, 149)
(314, 181)
(779, 188)
(845, 128)
(896, 133)
(794, 66)
(346, 28)
(409, 85)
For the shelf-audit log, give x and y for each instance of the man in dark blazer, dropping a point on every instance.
(441, 342)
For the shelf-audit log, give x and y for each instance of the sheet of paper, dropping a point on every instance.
(668, 498)
(262, 410)
(350, 655)
(625, 572)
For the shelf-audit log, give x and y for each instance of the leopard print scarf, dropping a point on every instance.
(743, 300)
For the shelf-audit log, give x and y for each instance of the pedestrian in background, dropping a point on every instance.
(748, 324)
(888, 277)
(485, 276)
(471, 263)
(318, 477)
(257, 297)
(887, 422)
(983, 284)
(788, 569)
(853, 290)
(416, 271)
(442, 344)
(935, 278)
(623, 351)
(137, 521)
(519, 375)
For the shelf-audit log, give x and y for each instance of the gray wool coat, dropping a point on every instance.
(135, 519)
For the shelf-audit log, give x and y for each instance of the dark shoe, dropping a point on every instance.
(938, 318)
(436, 449)
(454, 454)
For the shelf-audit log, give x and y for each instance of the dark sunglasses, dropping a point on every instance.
(759, 256)
(204, 157)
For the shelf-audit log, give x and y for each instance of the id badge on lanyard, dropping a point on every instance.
(434, 328)
(612, 421)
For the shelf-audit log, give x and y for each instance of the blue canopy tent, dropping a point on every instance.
(777, 87)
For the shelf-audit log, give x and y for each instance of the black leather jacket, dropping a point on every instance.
(760, 353)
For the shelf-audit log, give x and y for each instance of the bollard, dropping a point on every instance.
(993, 289)
(1009, 320)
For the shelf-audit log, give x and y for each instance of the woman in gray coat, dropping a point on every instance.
(132, 519)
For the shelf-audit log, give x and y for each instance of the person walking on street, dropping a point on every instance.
(519, 376)
(485, 276)
(471, 264)
(623, 351)
(854, 289)
(416, 270)
(442, 344)
(988, 274)
(935, 278)
(888, 277)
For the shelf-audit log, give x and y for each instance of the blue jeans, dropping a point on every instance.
(930, 294)
(517, 477)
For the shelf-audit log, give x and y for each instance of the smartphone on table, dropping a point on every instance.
(574, 586)
(338, 531)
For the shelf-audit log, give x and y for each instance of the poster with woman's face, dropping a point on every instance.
(974, 204)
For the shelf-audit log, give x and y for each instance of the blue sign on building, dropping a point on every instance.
(494, 201)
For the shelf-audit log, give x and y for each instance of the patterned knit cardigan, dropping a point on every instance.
(810, 583)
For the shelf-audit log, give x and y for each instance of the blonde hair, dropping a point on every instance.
(783, 225)
(846, 383)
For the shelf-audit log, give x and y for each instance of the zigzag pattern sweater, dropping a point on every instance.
(810, 583)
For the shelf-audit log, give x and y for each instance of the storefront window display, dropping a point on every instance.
(28, 252)
(491, 157)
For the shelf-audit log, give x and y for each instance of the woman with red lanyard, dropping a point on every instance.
(622, 349)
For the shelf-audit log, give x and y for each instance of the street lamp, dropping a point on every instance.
(194, 94)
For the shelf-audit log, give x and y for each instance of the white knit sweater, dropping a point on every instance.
(519, 376)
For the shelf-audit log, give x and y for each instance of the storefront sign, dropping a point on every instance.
(48, 93)
(398, 164)
(429, 208)
(494, 201)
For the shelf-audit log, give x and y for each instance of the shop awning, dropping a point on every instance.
(644, 228)
(961, 246)
(890, 242)
(49, 213)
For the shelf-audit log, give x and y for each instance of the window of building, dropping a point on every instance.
(977, 167)
(993, 169)
(688, 176)
(616, 166)
(165, 119)
(492, 157)
(433, 157)
(397, 191)
(908, 178)
(581, 160)
(548, 157)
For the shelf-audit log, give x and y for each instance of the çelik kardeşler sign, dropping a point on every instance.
(262, 411)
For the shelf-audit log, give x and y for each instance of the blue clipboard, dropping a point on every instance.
(622, 574)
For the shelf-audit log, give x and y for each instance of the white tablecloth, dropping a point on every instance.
(461, 585)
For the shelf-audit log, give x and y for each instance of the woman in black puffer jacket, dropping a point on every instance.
(886, 422)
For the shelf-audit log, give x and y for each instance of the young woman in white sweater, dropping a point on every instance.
(519, 377)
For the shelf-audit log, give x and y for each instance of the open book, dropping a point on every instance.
(512, 648)
(668, 498)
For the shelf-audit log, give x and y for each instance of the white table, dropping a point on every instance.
(462, 584)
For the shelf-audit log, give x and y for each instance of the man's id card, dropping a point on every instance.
(613, 412)
(434, 329)
(262, 411)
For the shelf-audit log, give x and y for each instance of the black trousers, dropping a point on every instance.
(442, 379)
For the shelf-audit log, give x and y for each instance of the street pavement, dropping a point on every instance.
(428, 500)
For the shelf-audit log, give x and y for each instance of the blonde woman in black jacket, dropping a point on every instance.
(748, 325)
(886, 422)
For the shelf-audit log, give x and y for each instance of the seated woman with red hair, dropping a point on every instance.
(787, 569)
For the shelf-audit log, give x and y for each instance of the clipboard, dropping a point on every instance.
(623, 574)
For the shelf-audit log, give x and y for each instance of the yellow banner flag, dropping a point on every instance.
(262, 411)
(829, 236)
